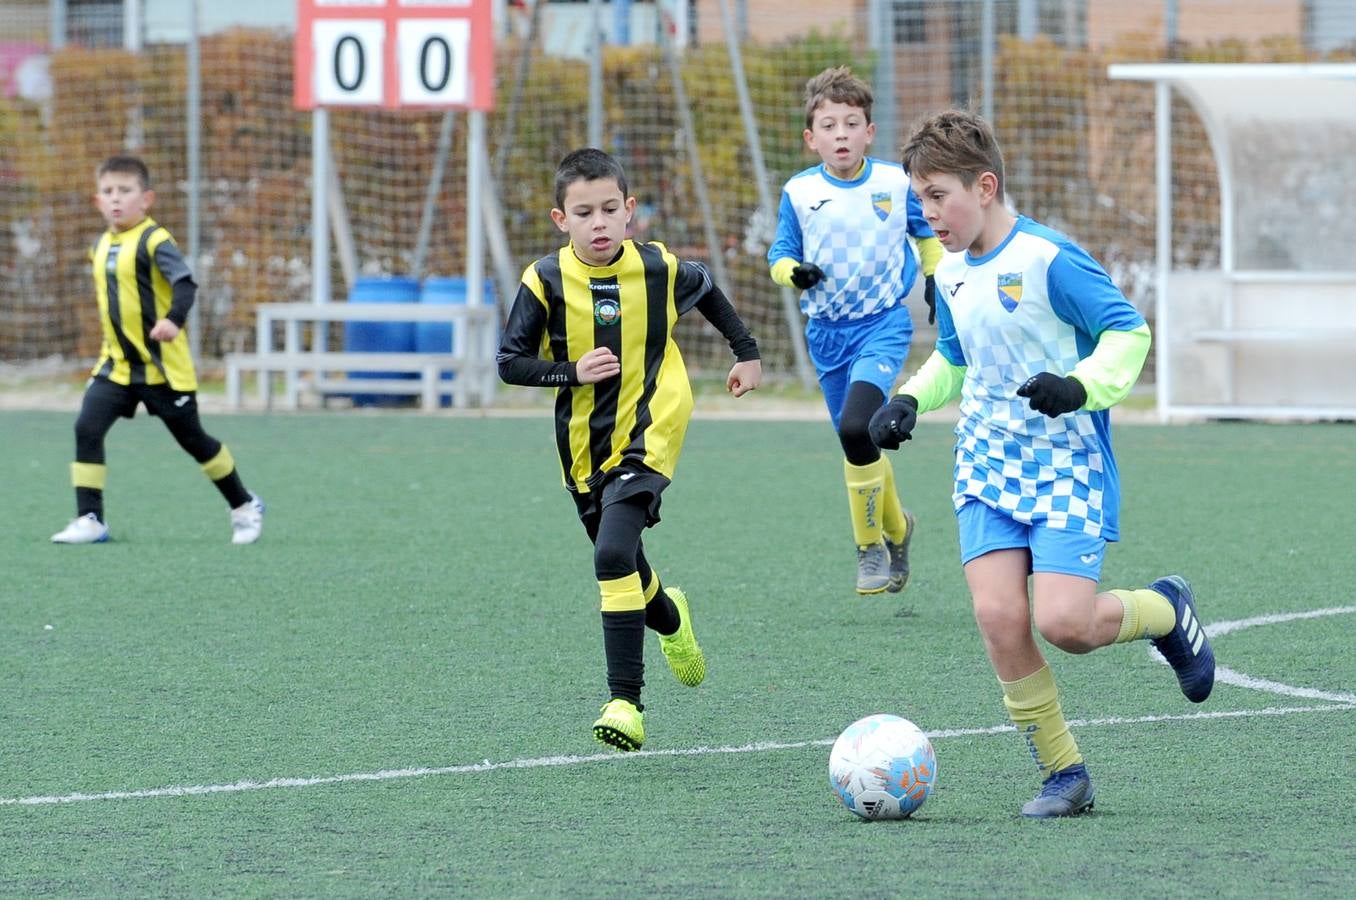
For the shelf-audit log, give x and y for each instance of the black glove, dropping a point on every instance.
(930, 297)
(806, 276)
(893, 422)
(1053, 395)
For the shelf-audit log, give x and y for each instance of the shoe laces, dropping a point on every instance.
(876, 557)
(1062, 782)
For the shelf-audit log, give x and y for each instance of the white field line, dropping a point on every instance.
(1229, 676)
(551, 761)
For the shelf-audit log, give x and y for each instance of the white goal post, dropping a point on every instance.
(1270, 332)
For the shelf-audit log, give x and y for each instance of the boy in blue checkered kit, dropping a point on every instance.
(1038, 343)
(843, 239)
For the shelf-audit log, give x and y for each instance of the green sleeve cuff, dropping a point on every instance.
(936, 383)
(930, 252)
(781, 271)
(1110, 371)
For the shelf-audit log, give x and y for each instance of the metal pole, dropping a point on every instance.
(1163, 244)
(477, 159)
(595, 133)
(790, 307)
(320, 222)
(56, 27)
(435, 184)
(883, 26)
(1028, 20)
(986, 48)
(131, 25)
(193, 139)
(689, 130)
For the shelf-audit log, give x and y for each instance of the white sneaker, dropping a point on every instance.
(247, 521)
(86, 529)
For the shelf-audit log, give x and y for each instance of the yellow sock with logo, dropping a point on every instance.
(892, 520)
(865, 484)
(1033, 706)
(1147, 614)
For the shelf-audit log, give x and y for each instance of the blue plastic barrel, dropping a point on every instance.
(436, 337)
(381, 337)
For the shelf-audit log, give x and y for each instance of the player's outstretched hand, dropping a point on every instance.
(893, 423)
(806, 276)
(1052, 394)
(744, 377)
(930, 298)
(596, 365)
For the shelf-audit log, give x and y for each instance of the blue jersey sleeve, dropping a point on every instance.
(918, 226)
(787, 243)
(948, 344)
(1083, 294)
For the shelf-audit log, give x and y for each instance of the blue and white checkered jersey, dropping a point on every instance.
(856, 231)
(1035, 304)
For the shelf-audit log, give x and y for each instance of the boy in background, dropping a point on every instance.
(144, 290)
(595, 322)
(843, 239)
(1038, 343)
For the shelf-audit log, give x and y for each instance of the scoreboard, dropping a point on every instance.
(394, 54)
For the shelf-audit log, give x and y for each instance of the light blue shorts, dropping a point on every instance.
(984, 529)
(871, 350)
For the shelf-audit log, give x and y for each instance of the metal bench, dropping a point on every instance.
(470, 359)
(330, 372)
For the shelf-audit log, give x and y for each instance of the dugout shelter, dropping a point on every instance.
(1270, 332)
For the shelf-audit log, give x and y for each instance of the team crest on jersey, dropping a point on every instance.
(606, 310)
(882, 203)
(1010, 290)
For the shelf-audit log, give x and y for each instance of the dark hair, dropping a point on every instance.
(126, 165)
(954, 142)
(836, 85)
(587, 164)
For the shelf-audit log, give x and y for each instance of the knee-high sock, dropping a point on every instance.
(624, 636)
(1148, 614)
(865, 484)
(220, 468)
(892, 518)
(1033, 706)
(88, 479)
(660, 613)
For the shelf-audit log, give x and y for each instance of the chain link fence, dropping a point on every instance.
(1079, 147)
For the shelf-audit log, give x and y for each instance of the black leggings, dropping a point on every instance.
(863, 399)
(105, 403)
(617, 547)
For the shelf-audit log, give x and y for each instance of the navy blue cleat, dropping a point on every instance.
(1186, 648)
(1067, 792)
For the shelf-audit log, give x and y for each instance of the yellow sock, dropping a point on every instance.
(1033, 706)
(892, 520)
(1148, 614)
(622, 594)
(865, 485)
(651, 590)
(89, 475)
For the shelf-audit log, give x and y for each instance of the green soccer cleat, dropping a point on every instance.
(899, 556)
(685, 658)
(621, 726)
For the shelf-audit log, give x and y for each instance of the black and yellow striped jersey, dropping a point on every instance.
(565, 308)
(135, 276)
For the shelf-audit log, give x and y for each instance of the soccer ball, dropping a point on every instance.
(882, 767)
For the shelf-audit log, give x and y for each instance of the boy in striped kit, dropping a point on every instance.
(145, 290)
